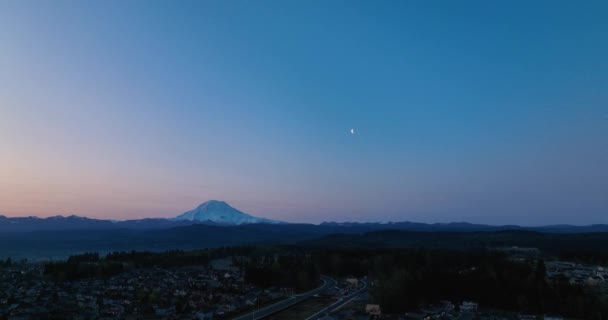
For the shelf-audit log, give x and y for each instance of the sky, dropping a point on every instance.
(480, 111)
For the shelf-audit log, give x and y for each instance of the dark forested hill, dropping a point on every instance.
(57, 244)
(550, 242)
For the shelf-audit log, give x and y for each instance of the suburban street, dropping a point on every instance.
(260, 313)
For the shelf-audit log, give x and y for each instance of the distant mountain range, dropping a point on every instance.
(213, 212)
(220, 213)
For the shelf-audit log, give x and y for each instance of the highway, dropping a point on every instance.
(260, 313)
(338, 304)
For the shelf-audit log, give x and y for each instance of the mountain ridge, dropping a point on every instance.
(220, 213)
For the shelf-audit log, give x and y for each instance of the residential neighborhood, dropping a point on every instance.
(155, 293)
(577, 273)
(219, 290)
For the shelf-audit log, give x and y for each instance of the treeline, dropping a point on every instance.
(74, 269)
(6, 263)
(548, 243)
(92, 265)
(167, 259)
(407, 279)
(293, 270)
(585, 256)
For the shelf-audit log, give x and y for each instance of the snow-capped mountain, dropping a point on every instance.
(220, 212)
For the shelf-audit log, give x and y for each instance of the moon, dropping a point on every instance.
(352, 131)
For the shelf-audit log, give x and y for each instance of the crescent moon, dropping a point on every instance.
(352, 131)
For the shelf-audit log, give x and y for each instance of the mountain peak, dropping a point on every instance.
(220, 212)
(214, 204)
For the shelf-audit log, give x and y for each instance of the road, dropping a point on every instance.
(338, 304)
(260, 313)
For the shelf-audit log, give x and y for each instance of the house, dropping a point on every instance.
(468, 306)
(213, 283)
(373, 310)
(163, 312)
(353, 282)
(251, 298)
(204, 315)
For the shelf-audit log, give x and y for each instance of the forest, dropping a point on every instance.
(406, 279)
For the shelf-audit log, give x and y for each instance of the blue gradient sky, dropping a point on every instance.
(486, 111)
